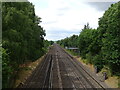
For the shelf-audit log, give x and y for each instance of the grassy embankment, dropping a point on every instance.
(112, 81)
(26, 70)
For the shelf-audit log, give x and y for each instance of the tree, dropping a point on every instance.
(109, 26)
(23, 37)
(69, 41)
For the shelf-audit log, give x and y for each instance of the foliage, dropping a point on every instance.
(69, 41)
(7, 69)
(119, 82)
(109, 26)
(23, 37)
(85, 39)
(47, 44)
(101, 46)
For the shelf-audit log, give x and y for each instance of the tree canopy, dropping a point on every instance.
(69, 41)
(22, 37)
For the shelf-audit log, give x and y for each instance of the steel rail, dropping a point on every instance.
(34, 73)
(78, 76)
(72, 58)
(47, 82)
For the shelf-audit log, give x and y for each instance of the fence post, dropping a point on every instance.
(105, 75)
(95, 69)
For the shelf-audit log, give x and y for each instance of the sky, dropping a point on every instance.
(63, 18)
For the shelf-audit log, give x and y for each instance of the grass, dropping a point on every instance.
(72, 52)
(85, 61)
(26, 70)
(107, 70)
(112, 81)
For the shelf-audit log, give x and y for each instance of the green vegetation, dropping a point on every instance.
(69, 42)
(72, 52)
(118, 82)
(22, 38)
(109, 28)
(47, 44)
(100, 46)
(8, 69)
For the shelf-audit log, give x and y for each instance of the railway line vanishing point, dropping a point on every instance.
(60, 70)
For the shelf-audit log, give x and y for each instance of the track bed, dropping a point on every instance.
(60, 70)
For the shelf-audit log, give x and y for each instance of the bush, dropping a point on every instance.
(89, 58)
(98, 62)
(7, 69)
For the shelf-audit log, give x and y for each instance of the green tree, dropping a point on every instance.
(69, 41)
(23, 37)
(109, 26)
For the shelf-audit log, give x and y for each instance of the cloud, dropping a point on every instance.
(62, 18)
(100, 6)
(49, 22)
(59, 34)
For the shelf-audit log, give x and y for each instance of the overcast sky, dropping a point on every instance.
(63, 18)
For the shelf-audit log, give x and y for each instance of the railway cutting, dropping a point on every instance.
(60, 70)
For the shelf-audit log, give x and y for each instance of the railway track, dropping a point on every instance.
(97, 83)
(81, 73)
(60, 70)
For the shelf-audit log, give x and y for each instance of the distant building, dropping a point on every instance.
(73, 49)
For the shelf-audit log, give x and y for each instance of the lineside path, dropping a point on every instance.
(60, 70)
